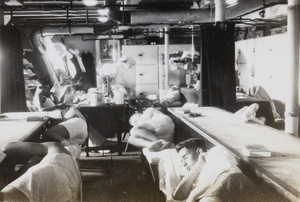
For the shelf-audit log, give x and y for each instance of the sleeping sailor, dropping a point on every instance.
(51, 174)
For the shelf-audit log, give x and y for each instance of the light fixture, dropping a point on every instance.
(14, 2)
(103, 11)
(107, 73)
(90, 2)
(103, 19)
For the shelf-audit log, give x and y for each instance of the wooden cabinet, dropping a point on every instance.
(150, 68)
(146, 58)
(142, 54)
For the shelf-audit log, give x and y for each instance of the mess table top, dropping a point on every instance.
(220, 128)
(14, 127)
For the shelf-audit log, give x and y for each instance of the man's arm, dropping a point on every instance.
(198, 191)
(38, 103)
(57, 106)
(146, 126)
(24, 149)
(32, 149)
(184, 188)
(73, 112)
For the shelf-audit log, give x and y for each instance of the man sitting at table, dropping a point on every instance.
(153, 130)
(52, 175)
(73, 127)
(212, 175)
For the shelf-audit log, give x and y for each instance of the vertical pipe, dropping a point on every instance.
(1, 24)
(98, 60)
(114, 51)
(193, 44)
(166, 57)
(292, 88)
(1, 13)
(220, 7)
(161, 66)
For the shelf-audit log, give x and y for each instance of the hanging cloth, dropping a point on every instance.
(217, 59)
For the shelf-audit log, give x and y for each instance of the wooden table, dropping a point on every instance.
(218, 126)
(15, 128)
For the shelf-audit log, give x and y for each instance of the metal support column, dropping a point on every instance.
(292, 79)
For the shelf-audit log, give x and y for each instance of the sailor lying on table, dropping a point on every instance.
(208, 175)
(52, 174)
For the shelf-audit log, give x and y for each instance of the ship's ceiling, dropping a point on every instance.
(127, 14)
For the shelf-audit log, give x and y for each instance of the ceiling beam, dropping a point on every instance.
(200, 15)
(245, 7)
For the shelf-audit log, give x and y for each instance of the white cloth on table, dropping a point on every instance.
(248, 113)
(55, 178)
(261, 93)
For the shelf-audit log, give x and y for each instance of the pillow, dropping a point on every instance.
(171, 96)
(134, 119)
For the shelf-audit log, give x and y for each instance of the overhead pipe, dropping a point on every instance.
(292, 87)
(70, 3)
(40, 13)
(114, 13)
(166, 16)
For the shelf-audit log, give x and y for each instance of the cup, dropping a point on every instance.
(118, 97)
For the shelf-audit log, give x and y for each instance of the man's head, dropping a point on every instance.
(189, 151)
(44, 86)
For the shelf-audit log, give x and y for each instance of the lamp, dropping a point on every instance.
(14, 2)
(107, 72)
(103, 12)
(103, 19)
(90, 2)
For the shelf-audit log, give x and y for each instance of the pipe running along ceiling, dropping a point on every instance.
(128, 13)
